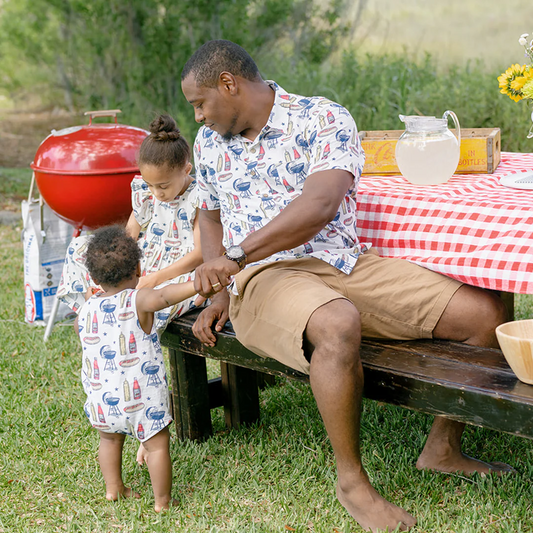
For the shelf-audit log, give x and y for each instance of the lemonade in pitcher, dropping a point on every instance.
(427, 153)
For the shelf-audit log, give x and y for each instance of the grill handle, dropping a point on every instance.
(103, 113)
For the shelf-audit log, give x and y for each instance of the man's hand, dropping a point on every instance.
(210, 278)
(217, 312)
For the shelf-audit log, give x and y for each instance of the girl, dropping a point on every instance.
(163, 222)
(123, 373)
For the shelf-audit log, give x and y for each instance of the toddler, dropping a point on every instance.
(123, 373)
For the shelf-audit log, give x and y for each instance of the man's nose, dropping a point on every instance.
(198, 116)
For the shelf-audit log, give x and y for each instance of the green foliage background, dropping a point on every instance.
(128, 54)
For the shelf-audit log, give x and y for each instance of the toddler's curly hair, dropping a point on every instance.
(112, 255)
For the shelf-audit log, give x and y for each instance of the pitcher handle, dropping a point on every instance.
(455, 121)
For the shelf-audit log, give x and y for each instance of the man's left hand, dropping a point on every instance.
(213, 276)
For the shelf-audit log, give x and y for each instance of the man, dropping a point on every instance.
(277, 177)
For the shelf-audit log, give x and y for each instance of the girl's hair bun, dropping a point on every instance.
(164, 128)
(165, 145)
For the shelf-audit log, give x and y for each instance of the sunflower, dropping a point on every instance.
(527, 89)
(512, 81)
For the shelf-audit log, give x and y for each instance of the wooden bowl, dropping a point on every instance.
(516, 342)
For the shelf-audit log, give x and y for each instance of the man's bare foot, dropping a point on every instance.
(457, 463)
(126, 492)
(141, 455)
(372, 512)
(161, 507)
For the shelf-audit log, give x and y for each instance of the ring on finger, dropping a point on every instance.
(216, 286)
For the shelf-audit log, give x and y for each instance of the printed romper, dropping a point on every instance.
(123, 372)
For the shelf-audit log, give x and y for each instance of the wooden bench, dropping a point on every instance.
(464, 383)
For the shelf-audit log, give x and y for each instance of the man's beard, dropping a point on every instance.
(226, 137)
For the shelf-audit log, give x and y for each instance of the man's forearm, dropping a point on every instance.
(211, 233)
(301, 220)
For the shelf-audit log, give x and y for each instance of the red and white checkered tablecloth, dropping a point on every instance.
(471, 228)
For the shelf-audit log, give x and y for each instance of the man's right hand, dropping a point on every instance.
(217, 312)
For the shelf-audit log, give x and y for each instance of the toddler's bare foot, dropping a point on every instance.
(126, 492)
(162, 506)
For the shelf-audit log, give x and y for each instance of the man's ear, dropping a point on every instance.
(227, 83)
(138, 271)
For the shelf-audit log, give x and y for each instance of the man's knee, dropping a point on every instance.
(472, 316)
(335, 327)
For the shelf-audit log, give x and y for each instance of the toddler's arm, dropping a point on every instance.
(151, 300)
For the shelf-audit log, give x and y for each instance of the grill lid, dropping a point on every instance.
(91, 149)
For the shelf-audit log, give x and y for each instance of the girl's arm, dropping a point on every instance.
(133, 228)
(186, 264)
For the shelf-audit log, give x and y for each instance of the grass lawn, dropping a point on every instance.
(276, 476)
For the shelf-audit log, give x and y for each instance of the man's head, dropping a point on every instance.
(215, 57)
(215, 82)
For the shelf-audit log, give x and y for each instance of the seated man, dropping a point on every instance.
(277, 176)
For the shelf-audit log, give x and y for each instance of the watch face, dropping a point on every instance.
(235, 252)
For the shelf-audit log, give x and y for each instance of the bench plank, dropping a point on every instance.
(465, 383)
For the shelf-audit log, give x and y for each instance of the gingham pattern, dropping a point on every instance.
(471, 228)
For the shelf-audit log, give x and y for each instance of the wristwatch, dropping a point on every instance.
(237, 254)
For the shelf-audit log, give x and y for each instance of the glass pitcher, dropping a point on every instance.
(427, 152)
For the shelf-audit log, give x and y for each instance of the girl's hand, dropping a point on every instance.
(149, 281)
(91, 291)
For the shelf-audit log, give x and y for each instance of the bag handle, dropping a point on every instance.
(32, 184)
(41, 208)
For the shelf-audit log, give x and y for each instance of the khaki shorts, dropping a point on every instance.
(395, 298)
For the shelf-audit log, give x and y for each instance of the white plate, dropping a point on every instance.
(518, 180)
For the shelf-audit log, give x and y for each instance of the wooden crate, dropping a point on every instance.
(480, 151)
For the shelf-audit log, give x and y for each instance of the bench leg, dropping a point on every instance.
(265, 380)
(190, 396)
(508, 300)
(241, 405)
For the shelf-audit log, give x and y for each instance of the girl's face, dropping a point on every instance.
(166, 183)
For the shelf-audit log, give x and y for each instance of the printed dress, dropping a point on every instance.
(123, 372)
(166, 236)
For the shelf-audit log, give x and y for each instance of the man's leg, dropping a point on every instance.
(332, 339)
(471, 316)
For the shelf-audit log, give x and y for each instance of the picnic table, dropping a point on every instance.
(472, 229)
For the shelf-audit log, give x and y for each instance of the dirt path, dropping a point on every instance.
(21, 133)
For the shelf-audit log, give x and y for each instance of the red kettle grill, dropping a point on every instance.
(84, 172)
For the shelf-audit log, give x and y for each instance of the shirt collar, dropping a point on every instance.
(280, 115)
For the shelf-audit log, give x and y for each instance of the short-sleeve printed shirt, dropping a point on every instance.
(251, 182)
